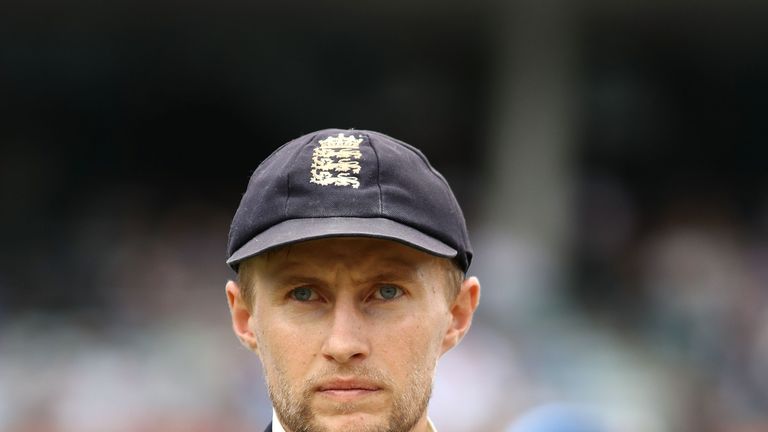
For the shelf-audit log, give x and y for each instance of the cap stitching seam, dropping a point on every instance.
(378, 175)
(435, 173)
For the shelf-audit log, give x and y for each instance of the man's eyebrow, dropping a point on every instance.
(389, 268)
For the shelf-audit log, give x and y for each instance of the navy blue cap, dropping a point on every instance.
(348, 183)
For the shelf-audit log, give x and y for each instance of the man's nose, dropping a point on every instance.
(347, 339)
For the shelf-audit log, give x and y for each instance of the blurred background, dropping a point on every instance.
(610, 158)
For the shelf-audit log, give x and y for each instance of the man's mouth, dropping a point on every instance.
(346, 389)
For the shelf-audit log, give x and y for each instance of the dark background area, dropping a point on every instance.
(171, 105)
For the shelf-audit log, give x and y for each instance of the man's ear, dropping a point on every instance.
(462, 310)
(241, 316)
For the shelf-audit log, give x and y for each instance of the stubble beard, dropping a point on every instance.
(293, 407)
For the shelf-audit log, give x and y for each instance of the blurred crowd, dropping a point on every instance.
(659, 330)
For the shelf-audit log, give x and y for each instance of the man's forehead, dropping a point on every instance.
(358, 252)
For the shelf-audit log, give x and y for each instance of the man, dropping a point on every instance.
(351, 252)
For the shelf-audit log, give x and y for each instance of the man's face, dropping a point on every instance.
(349, 331)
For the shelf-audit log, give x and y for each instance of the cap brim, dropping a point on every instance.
(297, 230)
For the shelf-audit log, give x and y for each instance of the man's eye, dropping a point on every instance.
(303, 294)
(388, 292)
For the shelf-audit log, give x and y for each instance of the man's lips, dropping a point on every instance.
(347, 389)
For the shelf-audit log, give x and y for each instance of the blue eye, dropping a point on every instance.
(302, 294)
(388, 292)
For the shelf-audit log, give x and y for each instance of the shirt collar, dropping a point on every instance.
(278, 427)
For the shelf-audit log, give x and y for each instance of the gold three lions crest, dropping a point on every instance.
(335, 160)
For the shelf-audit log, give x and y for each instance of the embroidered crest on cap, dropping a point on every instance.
(335, 160)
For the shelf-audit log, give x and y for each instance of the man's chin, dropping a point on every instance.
(353, 421)
(373, 409)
